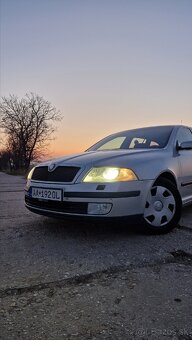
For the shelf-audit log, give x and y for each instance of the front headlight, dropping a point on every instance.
(29, 176)
(110, 174)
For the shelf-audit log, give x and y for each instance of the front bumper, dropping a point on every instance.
(125, 199)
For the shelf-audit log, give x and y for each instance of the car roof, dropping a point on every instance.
(151, 127)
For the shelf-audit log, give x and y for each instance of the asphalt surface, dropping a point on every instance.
(77, 280)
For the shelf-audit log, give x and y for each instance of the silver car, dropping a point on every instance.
(144, 173)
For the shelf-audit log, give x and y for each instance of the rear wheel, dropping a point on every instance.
(162, 208)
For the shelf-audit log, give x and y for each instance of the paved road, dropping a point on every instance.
(75, 280)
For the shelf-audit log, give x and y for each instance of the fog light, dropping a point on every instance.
(99, 208)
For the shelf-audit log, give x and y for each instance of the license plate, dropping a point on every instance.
(47, 194)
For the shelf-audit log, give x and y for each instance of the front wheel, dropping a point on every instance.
(162, 208)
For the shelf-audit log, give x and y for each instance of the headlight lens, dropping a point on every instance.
(29, 176)
(110, 174)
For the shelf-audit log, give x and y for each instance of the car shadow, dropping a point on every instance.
(93, 230)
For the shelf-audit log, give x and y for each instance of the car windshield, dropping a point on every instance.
(145, 138)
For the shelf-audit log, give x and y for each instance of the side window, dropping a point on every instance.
(142, 143)
(136, 142)
(184, 135)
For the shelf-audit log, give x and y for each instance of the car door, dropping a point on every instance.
(184, 134)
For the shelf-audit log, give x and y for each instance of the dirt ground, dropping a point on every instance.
(77, 280)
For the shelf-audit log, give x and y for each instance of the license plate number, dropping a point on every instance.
(47, 194)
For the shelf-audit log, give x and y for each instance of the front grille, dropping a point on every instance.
(60, 174)
(65, 207)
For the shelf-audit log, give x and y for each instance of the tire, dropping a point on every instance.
(162, 208)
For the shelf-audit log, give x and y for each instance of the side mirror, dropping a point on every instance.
(184, 146)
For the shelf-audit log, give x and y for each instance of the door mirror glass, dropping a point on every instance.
(185, 146)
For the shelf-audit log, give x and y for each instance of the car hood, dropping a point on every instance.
(104, 158)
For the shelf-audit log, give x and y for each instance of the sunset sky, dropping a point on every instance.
(107, 65)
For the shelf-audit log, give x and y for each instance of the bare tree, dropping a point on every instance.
(5, 160)
(28, 126)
